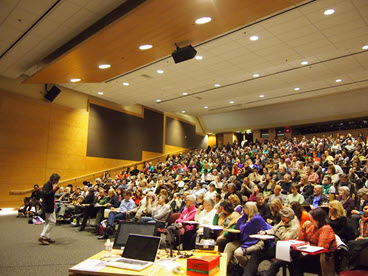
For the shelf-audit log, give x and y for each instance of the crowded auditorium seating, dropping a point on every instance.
(232, 185)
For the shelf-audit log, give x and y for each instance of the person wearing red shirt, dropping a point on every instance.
(318, 233)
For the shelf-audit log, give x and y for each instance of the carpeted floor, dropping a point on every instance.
(21, 253)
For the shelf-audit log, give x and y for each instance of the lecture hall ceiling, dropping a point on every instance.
(247, 73)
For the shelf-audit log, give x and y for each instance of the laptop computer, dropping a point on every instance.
(139, 253)
(138, 228)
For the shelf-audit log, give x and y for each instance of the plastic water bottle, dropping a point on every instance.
(108, 248)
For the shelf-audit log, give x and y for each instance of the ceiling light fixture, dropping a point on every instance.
(254, 37)
(339, 80)
(329, 12)
(198, 57)
(126, 83)
(100, 93)
(256, 75)
(261, 96)
(231, 102)
(203, 20)
(160, 71)
(296, 88)
(185, 93)
(145, 47)
(206, 107)
(104, 66)
(217, 85)
(365, 47)
(304, 63)
(158, 101)
(75, 80)
(183, 111)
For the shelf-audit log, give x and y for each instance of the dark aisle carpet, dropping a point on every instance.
(21, 253)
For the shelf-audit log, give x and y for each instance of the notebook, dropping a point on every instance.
(139, 253)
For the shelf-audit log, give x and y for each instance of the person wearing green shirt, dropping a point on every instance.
(294, 196)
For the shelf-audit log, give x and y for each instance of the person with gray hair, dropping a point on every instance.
(144, 208)
(346, 200)
(287, 228)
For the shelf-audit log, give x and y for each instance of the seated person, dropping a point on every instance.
(119, 213)
(306, 188)
(175, 203)
(328, 188)
(263, 208)
(300, 213)
(178, 228)
(277, 194)
(144, 208)
(227, 218)
(288, 228)
(235, 201)
(275, 206)
(357, 245)
(250, 223)
(317, 199)
(345, 199)
(34, 200)
(256, 190)
(160, 212)
(74, 200)
(103, 202)
(294, 195)
(285, 184)
(339, 221)
(88, 210)
(318, 233)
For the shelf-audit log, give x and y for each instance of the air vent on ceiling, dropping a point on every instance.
(146, 76)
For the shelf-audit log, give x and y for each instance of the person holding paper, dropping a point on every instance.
(250, 223)
(288, 228)
(318, 233)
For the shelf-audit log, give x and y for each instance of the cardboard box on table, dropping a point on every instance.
(203, 265)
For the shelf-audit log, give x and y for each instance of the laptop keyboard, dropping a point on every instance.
(134, 262)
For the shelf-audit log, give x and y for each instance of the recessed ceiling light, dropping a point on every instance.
(365, 47)
(206, 107)
(231, 102)
(183, 111)
(339, 80)
(104, 66)
(75, 80)
(145, 47)
(100, 93)
(261, 96)
(254, 37)
(296, 88)
(256, 75)
(203, 20)
(158, 101)
(329, 11)
(198, 57)
(304, 63)
(217, 85)
(238, 131)
(160, 71)
(185, 93)
(126, 83)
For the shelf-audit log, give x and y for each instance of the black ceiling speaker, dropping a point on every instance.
(52, 93)
(183, 54)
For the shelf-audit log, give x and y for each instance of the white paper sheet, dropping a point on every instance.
(90, 265)
(262, 237)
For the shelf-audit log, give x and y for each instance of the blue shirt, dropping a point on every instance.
(316, 201)
(126, 205)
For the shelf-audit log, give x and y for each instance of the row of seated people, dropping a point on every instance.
(307, 171)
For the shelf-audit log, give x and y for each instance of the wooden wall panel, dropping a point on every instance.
(38, 138)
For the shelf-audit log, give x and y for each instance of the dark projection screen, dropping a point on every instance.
(181, 134)
(117, 135)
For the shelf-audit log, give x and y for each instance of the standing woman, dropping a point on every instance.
(318, 233)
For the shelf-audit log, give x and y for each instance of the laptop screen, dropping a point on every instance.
(127, 228)
(142, 248)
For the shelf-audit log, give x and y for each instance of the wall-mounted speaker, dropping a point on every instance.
(183, 54)
(52, 93)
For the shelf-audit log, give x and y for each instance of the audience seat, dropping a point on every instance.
(172, 218)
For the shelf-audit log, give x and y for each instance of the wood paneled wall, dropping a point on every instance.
(38, 138)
